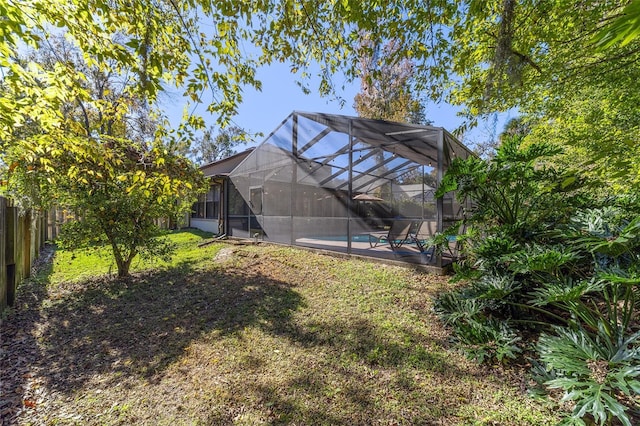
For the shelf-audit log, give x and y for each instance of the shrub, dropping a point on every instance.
(547, 260)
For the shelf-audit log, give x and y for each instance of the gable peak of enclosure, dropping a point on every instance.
(346, 184)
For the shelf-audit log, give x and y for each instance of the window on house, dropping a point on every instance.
(236, 206)
(197, 211)
(213, 202)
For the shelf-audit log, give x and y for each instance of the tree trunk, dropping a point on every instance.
(123, 270)
(123, 266)
(122, 263)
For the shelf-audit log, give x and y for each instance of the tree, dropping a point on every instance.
(209, 148)
(385, 94)
(109, 105)
(489, 55)
(386, 86)
(484, 55)
(117, 189)
(566, 87)
(599, 132)
(103, 163)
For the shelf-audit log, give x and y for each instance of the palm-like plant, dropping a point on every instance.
(593, 371)
(543, 260)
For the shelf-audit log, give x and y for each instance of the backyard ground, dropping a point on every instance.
(243, 335)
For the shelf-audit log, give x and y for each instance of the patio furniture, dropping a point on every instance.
(397, 235)
(449, 241)
(425, 230)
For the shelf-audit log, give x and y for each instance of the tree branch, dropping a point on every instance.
(87, 126)
(527, 59)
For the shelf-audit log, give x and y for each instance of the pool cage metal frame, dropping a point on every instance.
(331, 182)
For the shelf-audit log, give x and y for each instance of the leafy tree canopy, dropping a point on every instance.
(210, 147)
(485, 55)
(103, 160)
(599, 131)
(386, 85)
(117, 190)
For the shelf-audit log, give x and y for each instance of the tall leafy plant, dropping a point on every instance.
(547, 260)
(119, 192)
(513, 189)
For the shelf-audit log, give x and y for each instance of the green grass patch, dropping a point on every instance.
(268, 336)
(83, 264)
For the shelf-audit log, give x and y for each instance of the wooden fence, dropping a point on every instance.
(22, 235)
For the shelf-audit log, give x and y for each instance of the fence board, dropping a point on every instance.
(21, 238)
(3, 255)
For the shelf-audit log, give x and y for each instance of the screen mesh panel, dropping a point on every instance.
(341, 183)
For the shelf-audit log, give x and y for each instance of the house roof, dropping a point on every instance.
(226, 165)
(413, 141)
(410, 143)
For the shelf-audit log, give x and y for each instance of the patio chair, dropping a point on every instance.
(397, 235)
(455, 242)
(422, 237)
(449, 242)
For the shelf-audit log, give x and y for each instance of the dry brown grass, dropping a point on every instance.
(269, 335)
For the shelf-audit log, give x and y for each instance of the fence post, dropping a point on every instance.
(11, 253)
(23, 243)
(33, 221)
(3, 254)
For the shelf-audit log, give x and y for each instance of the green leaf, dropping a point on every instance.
(568, 182)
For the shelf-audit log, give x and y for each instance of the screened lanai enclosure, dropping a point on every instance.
(347, 184)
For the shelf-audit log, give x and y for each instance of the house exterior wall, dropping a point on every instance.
(207, 225)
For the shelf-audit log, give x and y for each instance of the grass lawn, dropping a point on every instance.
(243, 335)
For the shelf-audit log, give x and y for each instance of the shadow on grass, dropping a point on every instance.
(351, 372)
(139, 326)
(337, 367)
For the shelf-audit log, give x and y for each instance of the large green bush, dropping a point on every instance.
(551, 272)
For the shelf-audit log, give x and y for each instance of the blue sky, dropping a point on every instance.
(262, 111)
